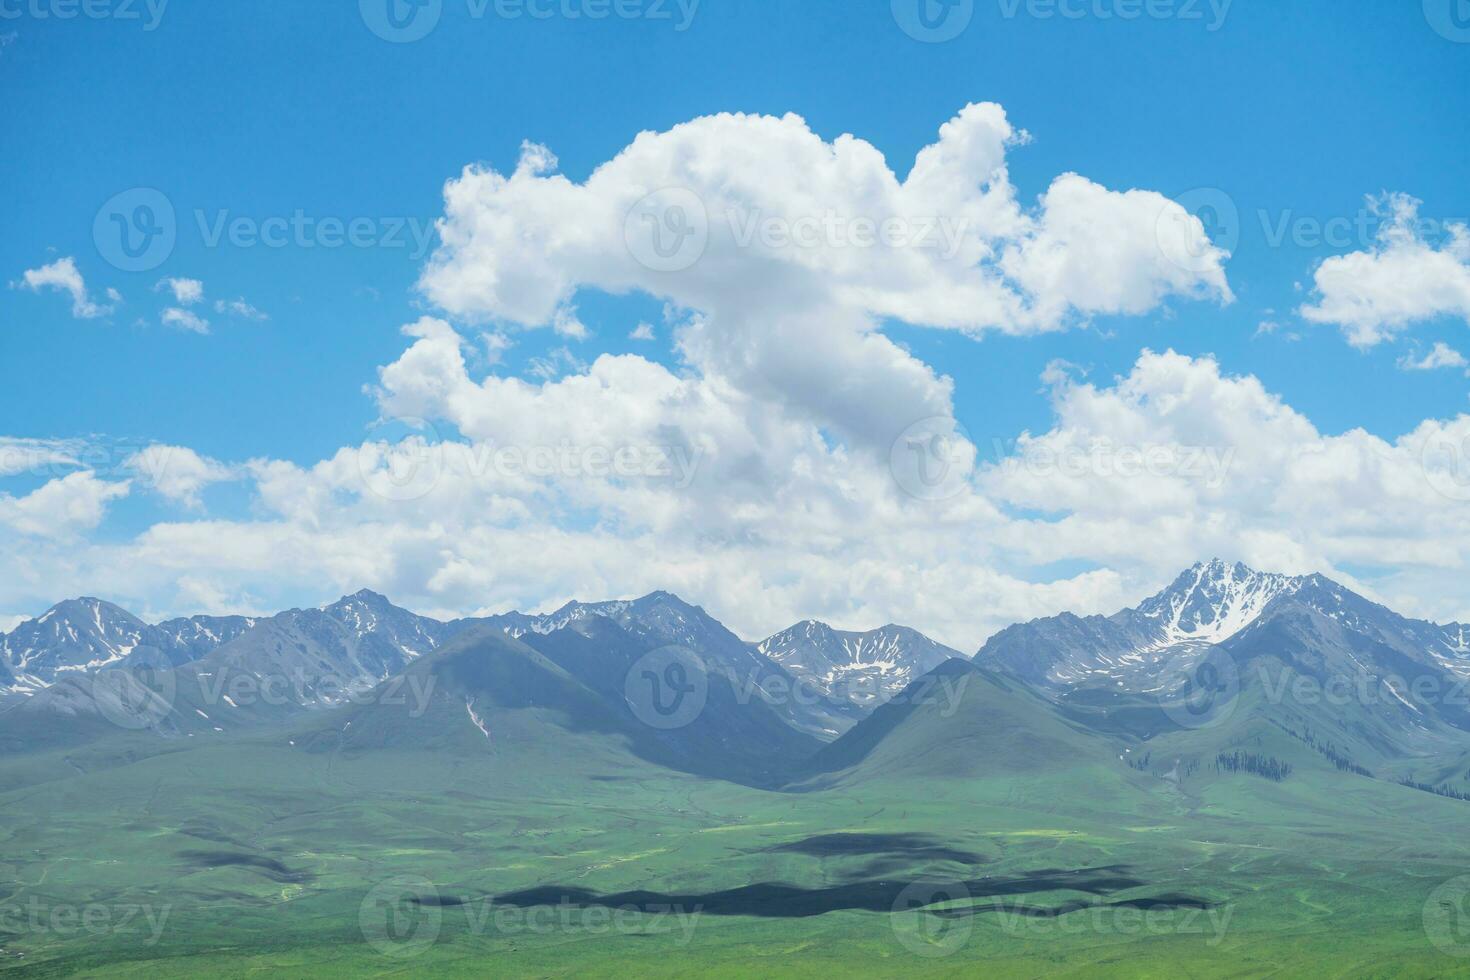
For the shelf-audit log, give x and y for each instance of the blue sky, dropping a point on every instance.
(1295, 111)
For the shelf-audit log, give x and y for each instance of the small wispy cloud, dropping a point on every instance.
(644, 331)
(568, 324)
(184, 319)
(1442, 355)
(555, 364)
(22, 455)
(240, 308)
(63, 276)
(186, 292)
(496, 344)
(1269, 327)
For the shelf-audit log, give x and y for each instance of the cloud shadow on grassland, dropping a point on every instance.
(783, 900)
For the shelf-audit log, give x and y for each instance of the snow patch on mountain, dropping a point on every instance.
(864, 667)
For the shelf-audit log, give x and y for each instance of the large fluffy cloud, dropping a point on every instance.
(792, 249)
(1403, 279)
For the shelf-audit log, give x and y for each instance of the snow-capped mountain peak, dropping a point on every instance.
(368, 614)
(675, 620)
(75, 635)
(82, 636)
(875, 663)
(1213, 601)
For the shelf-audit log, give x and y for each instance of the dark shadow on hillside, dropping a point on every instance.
(269, 867)
(915, 846)
(786, 901)
(1168, 901)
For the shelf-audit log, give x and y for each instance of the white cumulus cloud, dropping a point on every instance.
(174, 316)
(1403, 279)
(176, 472)
(61, 507)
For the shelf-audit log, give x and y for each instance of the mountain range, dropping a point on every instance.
(1208, 605)
(807, 706)
(85, 635)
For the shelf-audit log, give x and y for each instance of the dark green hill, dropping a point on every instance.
(960, 721)
(486, 692)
